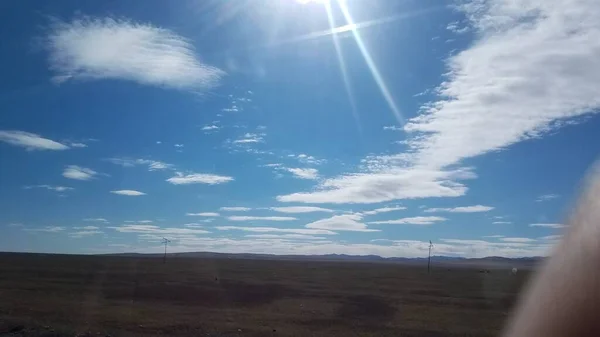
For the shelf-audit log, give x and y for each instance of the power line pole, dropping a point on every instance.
(429, 259)
(165, 241)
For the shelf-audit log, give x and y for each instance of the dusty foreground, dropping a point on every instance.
(57, 295)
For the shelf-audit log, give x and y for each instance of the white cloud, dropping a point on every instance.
(501, 223)
(250, 138)
(523, 240)
(546, 197)
(417, 220)
(532, 68)
(211, 127)
(384, 210)
(260, 218)
(385, 186)
(405, 248)
(285, 236)
(304, 173)
(30, 141)
(465, 209)
(193, 225)
(15, 225)
(139, 221)
(455, 28)
(130, 193)
(50, 187)
(520, 78)
(551, 237)
(344, 222)
(95, 220)
(94, 48)
(300, 209)
(235, 209)
(392, 128)
(153, 165)
(179, 145)
(78, 145)
(48, 229)
(277, 230)
(198, 178)
(547, 225)
(152, 229)
(87, 228)
(209, 214)
(306, 159)
(85, 233)
(79, 173)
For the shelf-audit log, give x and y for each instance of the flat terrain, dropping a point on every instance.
(61, 295)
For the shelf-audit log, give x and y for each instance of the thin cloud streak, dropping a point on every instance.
(30, 141)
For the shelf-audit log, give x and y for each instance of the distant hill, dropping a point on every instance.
(490, 261)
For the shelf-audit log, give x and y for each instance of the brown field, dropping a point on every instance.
(61, 295)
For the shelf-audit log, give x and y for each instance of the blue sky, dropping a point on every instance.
(295, 127)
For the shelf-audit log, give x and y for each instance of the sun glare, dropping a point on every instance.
(304, 2)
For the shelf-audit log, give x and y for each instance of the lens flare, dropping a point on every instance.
(370, 63)
(342, 63)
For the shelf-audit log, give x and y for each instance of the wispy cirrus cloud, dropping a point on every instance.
(106, 48)
(152, 229)
(305, 231)
(285, 236)
(249, 138)
(210, 128)
(79, 173)
(153, 165)
(198, 178)
(501, 223)
(47, 229)
(517, 240)
(386, 185)
(344, 222)
(547, 225)
(546, 197)
(384, 210)
(50, 187)
(551, 237)
(84, 233)
(193, 225)
(526, 75)
(300, 209)
(417, 220)
(87, 228)
(95, 220)
(260, 218)
(235, 209)
(207, 214)
(464, 209)
(30, 141)
(304, 173)
(130, 193)
(307, 159)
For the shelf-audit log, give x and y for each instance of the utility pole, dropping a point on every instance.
(165, 241)
(429, 259)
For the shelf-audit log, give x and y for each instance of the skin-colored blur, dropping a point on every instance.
(564, 297)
